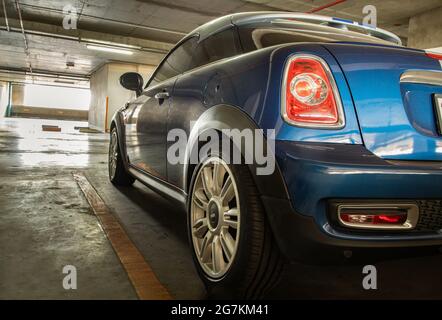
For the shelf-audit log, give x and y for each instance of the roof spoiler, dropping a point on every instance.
(250, 17)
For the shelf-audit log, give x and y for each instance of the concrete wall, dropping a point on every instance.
(105, 85)
(99, 90)
(18, 94)
(19, 109)
(425, 30)
(49, 113)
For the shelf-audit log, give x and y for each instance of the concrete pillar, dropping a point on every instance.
(4, 97)
(108, 94)
(18, 95)
(425, 30)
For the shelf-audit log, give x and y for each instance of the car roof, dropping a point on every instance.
(244, 18)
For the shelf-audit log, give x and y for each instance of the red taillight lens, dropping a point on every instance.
(390, 219)
(398, 216)
(434, 55)
(309, 94)
(374, 219)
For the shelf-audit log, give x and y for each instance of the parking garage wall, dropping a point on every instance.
(107, 93)
(425, 30)
(19, 108)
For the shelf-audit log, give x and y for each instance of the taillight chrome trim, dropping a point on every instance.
(422, 77)
(411, 208)
(341, 118)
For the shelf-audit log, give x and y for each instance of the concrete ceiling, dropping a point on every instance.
(148, 27)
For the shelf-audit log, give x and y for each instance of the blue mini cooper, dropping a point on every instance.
(357, 122)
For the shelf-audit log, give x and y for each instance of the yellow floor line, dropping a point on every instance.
(144, 280)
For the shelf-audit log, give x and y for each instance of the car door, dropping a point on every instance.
(146, 125)
(146, 130)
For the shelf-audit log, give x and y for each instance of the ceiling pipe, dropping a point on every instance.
(81, 10)
(185, 9)
(46, 74)
(17, 4)
(329, 5)
(6, 16)
(86, 41)
(125, 23)
(45, 78)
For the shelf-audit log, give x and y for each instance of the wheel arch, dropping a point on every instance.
(222, 117)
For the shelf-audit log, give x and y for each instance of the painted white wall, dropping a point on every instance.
(105, 82)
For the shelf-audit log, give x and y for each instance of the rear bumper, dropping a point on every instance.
(317, 173)
(301, 239)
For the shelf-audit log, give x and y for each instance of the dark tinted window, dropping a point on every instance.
(253, 38)
(222, 45)
(177, 62)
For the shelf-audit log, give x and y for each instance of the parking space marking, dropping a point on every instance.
(144, 280)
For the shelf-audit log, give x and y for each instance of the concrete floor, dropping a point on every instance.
(46, 223)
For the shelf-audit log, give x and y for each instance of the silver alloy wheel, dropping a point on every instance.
(113, 154)
(215, 217)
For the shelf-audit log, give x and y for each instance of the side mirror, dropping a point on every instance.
(132, 81)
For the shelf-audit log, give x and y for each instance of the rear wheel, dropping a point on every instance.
(233, 246)
(117, 172)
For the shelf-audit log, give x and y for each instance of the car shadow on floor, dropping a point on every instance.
(162, 210)
(158, 228)
(413, 278)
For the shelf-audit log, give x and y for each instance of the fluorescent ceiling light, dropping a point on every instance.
(109, 49)
(109, 43)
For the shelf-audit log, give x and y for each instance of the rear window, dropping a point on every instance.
(262, 36)
(222, 45)
(177, 62)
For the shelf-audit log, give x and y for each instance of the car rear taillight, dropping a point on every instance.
(310, 96)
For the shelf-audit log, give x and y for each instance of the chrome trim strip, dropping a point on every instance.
(422, 77)
(157, 185)
(412, 215)
(341, 121)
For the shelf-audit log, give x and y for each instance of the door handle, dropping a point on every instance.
(162, 95)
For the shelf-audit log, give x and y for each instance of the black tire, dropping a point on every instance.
(119, 177)
(258, 264)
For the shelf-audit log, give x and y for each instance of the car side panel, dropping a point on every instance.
(239, 82)
(145, 122)
(252, 82)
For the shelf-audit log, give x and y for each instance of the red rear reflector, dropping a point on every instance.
(390, 219)
(309, 93)
(399, 216)
(374, 219)
(434, 55)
